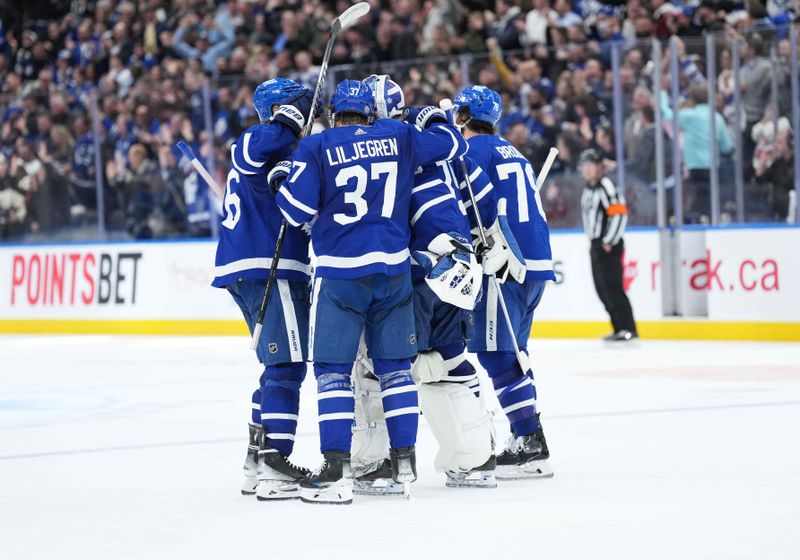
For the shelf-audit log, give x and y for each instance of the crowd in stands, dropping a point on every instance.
(126, 80)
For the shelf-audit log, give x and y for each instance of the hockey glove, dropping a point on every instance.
(294, 113)
(426, 116)
(502, 257)
(277, 175)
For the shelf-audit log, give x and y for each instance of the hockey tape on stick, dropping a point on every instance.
(187, 151)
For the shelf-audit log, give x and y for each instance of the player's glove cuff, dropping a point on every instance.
(291, 117)
(277, 174)
(426, 116)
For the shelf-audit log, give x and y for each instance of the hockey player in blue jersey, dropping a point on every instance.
(354, 182)
(446, 280)
(520, 212)
(248, 232)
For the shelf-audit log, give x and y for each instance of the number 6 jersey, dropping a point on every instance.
(358, 180)
(251, 218)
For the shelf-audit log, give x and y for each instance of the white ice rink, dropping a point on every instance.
(131, 447)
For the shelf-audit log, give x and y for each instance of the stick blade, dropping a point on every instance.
(350, 16)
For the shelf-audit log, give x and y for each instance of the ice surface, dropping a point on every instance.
(131, 447)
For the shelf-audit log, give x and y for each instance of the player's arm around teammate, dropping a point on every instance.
(356, 180)
(249, 229)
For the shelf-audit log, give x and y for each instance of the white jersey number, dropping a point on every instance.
(232, 203)
(356, 197)
(505, 170)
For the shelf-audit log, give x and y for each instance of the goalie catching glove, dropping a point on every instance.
(451, 270)
(502, 256)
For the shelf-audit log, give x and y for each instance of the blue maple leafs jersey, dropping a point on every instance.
(357, 182)
(514, 180)
(440, 203)
(251, 218)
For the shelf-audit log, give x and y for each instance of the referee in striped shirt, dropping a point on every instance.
(604, 217)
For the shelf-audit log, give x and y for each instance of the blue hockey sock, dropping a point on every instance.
(336, 406)
(515, 390)
(280, 402)
(400, 403)
(457, 367)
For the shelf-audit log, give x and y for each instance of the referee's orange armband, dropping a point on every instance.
(616, 209)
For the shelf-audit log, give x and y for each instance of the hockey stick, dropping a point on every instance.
(346, 19)
(187, 151)
(447, 105)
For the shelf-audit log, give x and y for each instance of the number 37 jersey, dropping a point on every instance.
(251, 218)
(357, 181)
(513, 179)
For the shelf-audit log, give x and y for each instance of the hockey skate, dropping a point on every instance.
(332, 483)
(479, 477)
(404, 467)
(251, 461)
(525, 457)
(375, 479)
(278, 478)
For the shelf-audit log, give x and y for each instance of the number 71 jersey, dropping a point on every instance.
(357, 181)
(512, 176)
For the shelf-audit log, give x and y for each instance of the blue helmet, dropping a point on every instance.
(352, 96)
(484, 104)
(277, 91)
(387, 95)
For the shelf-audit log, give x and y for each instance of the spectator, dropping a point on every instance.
(777, 177)
(642, 162)
(13, 209)
(695, 123)
(755, 79)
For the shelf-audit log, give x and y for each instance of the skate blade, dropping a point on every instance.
(274, 490)
(340, 493)
(532, 469)
(379, 487)
(485, 480)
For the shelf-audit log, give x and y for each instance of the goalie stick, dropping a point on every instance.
(346, 19)
(447, 106)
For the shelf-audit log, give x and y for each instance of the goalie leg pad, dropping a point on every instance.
(429, 367)
(460, 425)
(370, 438)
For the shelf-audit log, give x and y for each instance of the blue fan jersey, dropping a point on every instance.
(357, 181)
(251, 218)
(513, 179)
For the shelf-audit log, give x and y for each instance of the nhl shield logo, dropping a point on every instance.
(413, 339)
(273, 347)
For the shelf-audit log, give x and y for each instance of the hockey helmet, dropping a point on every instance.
(277, 91)
(352, 96)
(483, 104)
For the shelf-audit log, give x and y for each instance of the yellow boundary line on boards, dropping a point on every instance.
(653, 330)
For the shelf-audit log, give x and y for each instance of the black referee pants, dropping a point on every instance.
(607, 274)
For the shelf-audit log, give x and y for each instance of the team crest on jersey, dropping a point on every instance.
(360, 131)
(273, 347)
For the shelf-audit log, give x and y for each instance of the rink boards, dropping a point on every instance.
(730, 283)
